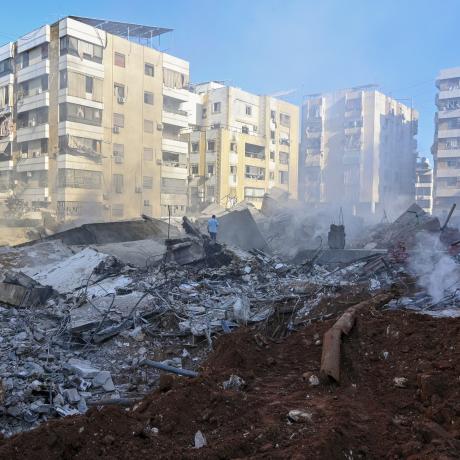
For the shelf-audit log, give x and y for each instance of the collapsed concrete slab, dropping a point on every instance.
(238, 228)
(114, 232)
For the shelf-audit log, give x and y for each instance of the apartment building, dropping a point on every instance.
(446, 146)
(424, 185)
(92, 121)
(358, 150)
(243, 144)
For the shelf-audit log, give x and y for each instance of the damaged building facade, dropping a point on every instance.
(424, 185)
(242, 146)
(446, 146)
(91, 121)
(358, 150)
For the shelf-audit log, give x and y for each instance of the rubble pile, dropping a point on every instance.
(104, 316)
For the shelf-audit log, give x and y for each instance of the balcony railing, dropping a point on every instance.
(175, 111)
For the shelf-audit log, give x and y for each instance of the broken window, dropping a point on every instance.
(172, 158)
(33, 118)
(75, 145)
(245, 129)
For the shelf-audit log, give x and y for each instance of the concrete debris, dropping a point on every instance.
(95, 315)
(200, 440)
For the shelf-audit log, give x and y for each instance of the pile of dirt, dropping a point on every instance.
(370, 415)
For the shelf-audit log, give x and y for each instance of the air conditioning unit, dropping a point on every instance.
(121, 100)
(116, 129)
(138, 189)
(160, 126)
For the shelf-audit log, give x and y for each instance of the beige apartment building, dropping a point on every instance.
(446, 146)
(358, 151)
(424, 185)
(92, 121)
(243, 144)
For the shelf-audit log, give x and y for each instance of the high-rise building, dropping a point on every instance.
(424, 185)
(358, 150)
(446, 146)
(243, 145)
(92, 118)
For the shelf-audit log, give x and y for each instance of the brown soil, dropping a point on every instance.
(367, 416)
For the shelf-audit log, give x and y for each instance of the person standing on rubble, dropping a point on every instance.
(213, 223)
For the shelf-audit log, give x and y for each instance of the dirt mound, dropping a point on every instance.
(370, 415)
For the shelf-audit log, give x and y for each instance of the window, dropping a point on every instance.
(146, 203)
(80, 114)
(119, 91)
(254, 172)
(89, 84)
(233, 147)
(216, 107)
(174, 79)
(81, 49)
(272, 135)
(119, 60)
(254, 151)
(148, 98)
(63, 79)
(118, 153)
(272, 175)
(195, 147)
(194, 170)
(148, 154)
(117, 210)
(24, 60)
(284, 158)
(284, 177)
(211, 145)
(33, 118)
(285, 120)
(272, 155)
(117, 182)
(118, 120)
(248, 110)
(147, 182)
(232, 169)
(6, 67)
(204, 112)
(75, 145)
(210, 169)
(245, 129)
(44, 146)
(79, 178)
(272, 115)
(149, 70)
(148, 126)
(44, 51)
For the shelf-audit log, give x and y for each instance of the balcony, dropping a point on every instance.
(34, 194)
(67, 161)
(34, 70)
(31, 133)
(448, 133)
(78, 194)
(179, 94)
(34, 101)
(174, 171)
(174, 145)
(447, 94)
(448, 153)
(40, 163)
(175, 117)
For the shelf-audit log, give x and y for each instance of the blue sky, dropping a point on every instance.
(267, 46)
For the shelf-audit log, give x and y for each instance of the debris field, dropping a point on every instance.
(140, 338)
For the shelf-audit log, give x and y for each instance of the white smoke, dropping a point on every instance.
(436, 271)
